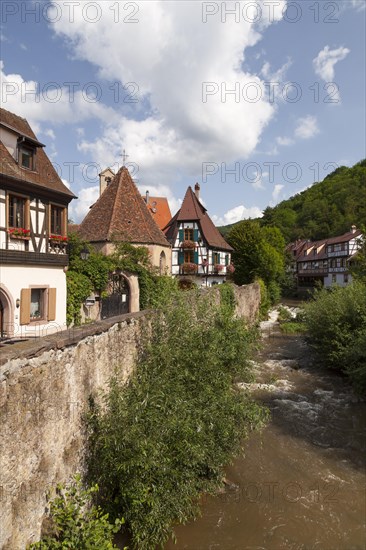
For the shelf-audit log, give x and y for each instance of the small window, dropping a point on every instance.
(189, 256)
(345, 278)
(56, 223)
(26, 158)
(37, 304)
(17, 208)
(188, 234)
(216, 258)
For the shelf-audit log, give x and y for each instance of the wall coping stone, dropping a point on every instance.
(61, 339)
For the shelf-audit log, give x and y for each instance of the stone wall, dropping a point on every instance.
(248, 300)
(45, 386)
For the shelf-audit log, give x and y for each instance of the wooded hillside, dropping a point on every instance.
(325, 209)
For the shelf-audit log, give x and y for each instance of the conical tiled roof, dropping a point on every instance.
(193, 211)
(121, 214)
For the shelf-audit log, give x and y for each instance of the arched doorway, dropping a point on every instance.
(162, 263)
(6, 314)
(123, 295)
(118, 300)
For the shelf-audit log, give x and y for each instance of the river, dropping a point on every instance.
(300, 484)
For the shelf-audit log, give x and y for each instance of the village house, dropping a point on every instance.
(159, 209)
(121, 215)
(200, 254)
(33, 234)
(324, 262)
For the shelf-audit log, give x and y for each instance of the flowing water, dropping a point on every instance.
(301, 483)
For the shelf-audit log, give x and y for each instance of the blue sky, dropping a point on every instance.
(255, 104)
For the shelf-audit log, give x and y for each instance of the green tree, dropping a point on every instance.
(161, 440)
(336, 322)
(258, 253)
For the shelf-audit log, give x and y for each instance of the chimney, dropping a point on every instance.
(353, 229)
(197, 190)
(147, 197)
(105, 179)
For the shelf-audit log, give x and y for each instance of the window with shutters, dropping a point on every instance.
(188, 234)
(189, 256)
(216, 258)
(37, 305)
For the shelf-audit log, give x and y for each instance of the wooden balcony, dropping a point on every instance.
(313, 271)
(338, 269)
(17, 257)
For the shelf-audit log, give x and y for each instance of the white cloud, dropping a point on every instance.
(23, 46)
(359, 5)
(284, 141)
(80, 207)
(65, 182)
(236, 214)
(57, 106)
(174, 56)
(307, 127)
(325, 61)
(276, 192)
(49, 133)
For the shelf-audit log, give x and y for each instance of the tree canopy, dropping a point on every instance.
(326, 209)
(258, 252)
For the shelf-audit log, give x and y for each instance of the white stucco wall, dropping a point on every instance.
(14, 278)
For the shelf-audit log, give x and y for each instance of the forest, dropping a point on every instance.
(326, 209)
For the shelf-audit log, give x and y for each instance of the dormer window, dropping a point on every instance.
(27, 153)
(26, 158)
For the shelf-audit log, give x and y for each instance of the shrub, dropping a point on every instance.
(75, 523)
(336, 322)
(160, 441)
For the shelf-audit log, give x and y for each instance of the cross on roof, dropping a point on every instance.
(124, 157)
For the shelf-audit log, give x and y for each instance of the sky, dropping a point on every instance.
(255, 100)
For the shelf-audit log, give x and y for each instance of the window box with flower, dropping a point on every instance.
(59, 239)
(189, 267)
(19, 233)
(218, 268)
(188, 244)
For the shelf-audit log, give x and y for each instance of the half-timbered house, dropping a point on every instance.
(33, 234)
(199, 251)
(325, 262)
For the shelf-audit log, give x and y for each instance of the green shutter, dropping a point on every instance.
(195, 235)
(218, 259)
(227, 259)
(181, 235)
(180, 257)
(196, 257)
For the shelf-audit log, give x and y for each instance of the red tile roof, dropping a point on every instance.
(45, 175)
(193, 211)
(160, 211)
(121, 214)
(324, 243)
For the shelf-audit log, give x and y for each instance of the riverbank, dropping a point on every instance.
(301, 482)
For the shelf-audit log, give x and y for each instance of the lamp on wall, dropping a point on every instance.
(85, 253)
(17, 303)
